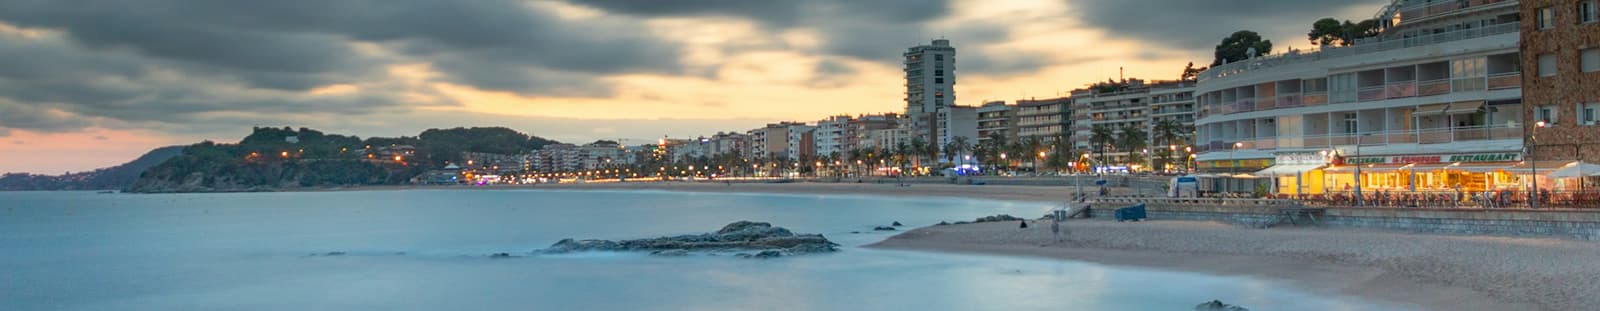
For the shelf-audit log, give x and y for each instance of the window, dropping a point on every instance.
(938, 80)
(1546, 18)
(938, 57)
(1547, 65)
(1587, 12)
(1350, 124)
(938, 73)
(1546, 113)
(1587, 113)
(1591, 60)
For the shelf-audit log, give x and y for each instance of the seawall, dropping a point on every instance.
(1574, 224)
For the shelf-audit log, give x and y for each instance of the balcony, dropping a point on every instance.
(1434, 87)
(1364, 47)
(1289, 101)
(1266, 103)
(1423, 136)
(1313, 99)
(1371, 93)
(1508, 80)
(1400, 89)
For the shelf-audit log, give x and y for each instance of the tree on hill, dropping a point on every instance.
(1236, 47)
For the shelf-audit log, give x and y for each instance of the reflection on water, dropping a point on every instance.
(426, 250)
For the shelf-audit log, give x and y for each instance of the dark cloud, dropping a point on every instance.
(299, 44)
(1200, 24)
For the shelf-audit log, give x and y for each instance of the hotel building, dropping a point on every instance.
(1433, 102)
(996, 117)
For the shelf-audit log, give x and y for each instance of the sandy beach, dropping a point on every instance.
(1427, 271)
(1430, 272)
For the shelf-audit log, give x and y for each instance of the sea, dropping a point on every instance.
(429, 250)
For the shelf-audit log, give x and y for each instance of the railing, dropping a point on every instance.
(1289, 101)
(1384, 44)
(1313, 99)
(1422, 10)
(1245, 105)
(1505, 80)
(1424, 136)
(1491, 199)
(1266, 103)
(1400, 89)
(1433, 87)
(1370, 93)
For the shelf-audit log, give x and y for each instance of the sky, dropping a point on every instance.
(92, 83)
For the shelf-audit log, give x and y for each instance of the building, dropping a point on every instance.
(996, 119)
(831, 136)
(930, 77)
(1163, 111)
(729, 143)
(769, 141)
(956, 123)
(1561, 42)
(1046, 120)
(860, 134)
(801, 142)
(1432, 102)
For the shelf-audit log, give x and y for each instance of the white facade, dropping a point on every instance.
(1443, 82)
(831, 135)
(957, 121)
(800, 139)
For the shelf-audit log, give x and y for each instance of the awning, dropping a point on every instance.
(1434, 109)
(1545, 167)
(1464, 107)
(1576, 169)
(1286, 170)
(1367, 168)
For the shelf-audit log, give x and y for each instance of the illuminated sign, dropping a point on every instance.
(1432, 159)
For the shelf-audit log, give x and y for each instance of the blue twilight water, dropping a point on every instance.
(424, 250)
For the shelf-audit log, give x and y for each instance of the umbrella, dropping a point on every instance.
(1576, 169)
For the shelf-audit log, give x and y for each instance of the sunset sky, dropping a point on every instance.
(88, 84)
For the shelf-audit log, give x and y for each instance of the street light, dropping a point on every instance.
(1533, 137)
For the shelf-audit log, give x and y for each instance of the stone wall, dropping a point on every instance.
(1568, 89)
(1583, 225)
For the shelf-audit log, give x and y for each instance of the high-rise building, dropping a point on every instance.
(930, 77)
(1561, 43)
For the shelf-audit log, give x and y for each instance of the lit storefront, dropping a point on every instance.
(1422, 173)
(1297, 172)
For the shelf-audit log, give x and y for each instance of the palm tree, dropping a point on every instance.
(957, 147)
(917, 146)
(1102, 137)
(1132, 139)
(1171, 133)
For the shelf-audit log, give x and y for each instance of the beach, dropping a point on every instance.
(1434, 272)
(1429, 271)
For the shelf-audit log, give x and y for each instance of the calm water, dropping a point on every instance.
(424, 250)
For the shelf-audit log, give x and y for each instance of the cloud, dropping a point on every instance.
(1200, 24)
(300, 44)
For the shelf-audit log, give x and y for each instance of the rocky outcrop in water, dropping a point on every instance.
(1217, 305)
(770, 241)
(995, 218)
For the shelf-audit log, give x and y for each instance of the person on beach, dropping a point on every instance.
(1055, 227)
(1023, 225)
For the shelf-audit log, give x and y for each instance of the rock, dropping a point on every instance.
(995, 218)
(1217, 305)
(500, 255)
(670, 253)
(1022, 224)
(943, 223)
(742, 235)
(896, 224)
(882, 228)
(333, 253)
(767, 255)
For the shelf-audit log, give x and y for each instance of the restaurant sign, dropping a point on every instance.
(1300, 158)
(1431, 159)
